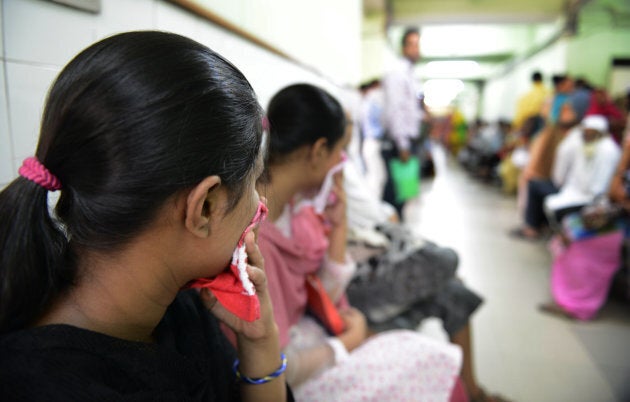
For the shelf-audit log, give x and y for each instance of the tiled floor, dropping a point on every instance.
(519, 351)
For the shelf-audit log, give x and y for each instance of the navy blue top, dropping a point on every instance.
(191, 360)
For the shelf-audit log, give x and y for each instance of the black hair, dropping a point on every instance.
(299, 115)
(131, 121)
(408, 32)
(537, 77)
(583, 83)
(559, 79)
(531, 126)
(373, 83)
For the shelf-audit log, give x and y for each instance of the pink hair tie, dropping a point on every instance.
(33, 170)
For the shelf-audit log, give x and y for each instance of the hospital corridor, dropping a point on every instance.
(315, 201)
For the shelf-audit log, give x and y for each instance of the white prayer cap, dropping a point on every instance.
(596, 122)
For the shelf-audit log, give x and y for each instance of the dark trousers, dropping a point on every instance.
(537, 190)
(389, 151)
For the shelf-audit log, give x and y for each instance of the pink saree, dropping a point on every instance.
(391, 366)
(582, 272)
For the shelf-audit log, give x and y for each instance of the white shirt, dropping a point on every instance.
(565, 156)
(402, 108)
(590, 175)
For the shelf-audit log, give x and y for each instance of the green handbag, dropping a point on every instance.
(406, 178)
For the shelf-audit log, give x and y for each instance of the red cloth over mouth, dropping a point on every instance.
(232, 287)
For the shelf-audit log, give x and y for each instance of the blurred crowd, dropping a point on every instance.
(564, 157)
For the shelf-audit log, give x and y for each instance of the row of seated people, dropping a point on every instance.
(561, 158)
(159, 199)
(486, 147)
(567, 169)
(154, 200)
(392, 284)
(567, 187)
(499, 152)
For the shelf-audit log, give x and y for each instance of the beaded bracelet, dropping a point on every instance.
(264, 379)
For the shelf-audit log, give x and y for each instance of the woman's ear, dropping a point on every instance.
(202, 201)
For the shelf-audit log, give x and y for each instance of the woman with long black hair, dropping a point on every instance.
(153, 143)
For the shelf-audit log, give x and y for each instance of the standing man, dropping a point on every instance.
(531, 103)
(402, 111)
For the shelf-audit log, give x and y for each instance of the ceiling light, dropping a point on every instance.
(441, 93)
(451, 68)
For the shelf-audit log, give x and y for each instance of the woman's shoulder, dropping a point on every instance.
(59, 361)
(49, 339)
(190, 360)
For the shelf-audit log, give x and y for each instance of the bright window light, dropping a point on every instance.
(454, 68)
(440, 93)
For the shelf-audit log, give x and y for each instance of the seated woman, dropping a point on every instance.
(550, 156)
(154, 192)
(308, 132)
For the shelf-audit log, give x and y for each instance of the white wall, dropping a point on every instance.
(40, 37)
(501, 94)
(325, 34)
(6, 152)
(591, 57)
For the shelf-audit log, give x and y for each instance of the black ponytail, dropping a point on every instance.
(128, 123)
(35, 246)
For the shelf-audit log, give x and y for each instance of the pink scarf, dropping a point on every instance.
(288, 261)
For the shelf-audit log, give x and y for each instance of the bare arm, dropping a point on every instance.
(337, 269)
(337, 216)
(307, 362)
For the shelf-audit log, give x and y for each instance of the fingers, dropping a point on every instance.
(257, 276)
(404, 155)
(254, 256)
(257, 227)
(338, 177)
(256, 263)
(337, 193)
(208, 298)
(338, 183)
(349, 313)
(210, 301)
